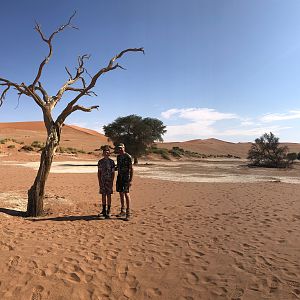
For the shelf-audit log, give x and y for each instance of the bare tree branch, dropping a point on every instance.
(111, 66)
(4, 82)
(66, 87)
(70, 75)
(49, 43)
(42, 90)
(85, 109)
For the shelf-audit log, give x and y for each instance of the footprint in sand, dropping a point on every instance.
(13, 263)
(192, 278)
(274, 284)
(130, 292)
(73, 277)
(237, 294)
(153, 292)
(36, 293)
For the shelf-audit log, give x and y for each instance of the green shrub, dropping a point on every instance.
(27, 148)
(38, 144)
(69, 150)
(291, 157)
(165, 155)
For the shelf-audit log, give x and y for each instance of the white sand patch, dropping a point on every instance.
(199, 171)
(61, 167)
(12, 200)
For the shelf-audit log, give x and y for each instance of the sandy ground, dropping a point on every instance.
(186, 240)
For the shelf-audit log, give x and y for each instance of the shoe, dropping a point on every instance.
(127, 216)
(102, 214)
(122, 214)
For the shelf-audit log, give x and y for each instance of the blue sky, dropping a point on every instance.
(214, 68)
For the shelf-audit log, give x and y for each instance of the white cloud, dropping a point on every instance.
(292, 114)
(256, 131)
(203, 123)
(198, 114)
(247, 122)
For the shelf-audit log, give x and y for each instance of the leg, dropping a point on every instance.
(103, 212)
(122, 213)
(108, 206)
(127, 196)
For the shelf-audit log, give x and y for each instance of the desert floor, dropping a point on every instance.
(202, 230)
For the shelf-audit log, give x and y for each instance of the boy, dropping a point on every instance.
(124, 180)
(106, 175)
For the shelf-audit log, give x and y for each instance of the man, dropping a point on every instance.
(124, 180)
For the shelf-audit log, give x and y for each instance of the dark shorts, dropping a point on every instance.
(123, 184)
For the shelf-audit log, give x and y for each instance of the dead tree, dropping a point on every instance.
(47, 103)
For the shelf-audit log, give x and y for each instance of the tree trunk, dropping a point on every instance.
(135, 160)
(36, 192)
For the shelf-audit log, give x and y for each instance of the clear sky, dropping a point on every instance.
(228, 69)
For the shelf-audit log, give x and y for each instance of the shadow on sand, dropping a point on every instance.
(78, 165)
(72, 218)
(19, 213)
(13, 212)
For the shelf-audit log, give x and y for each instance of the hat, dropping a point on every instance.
(121, 145)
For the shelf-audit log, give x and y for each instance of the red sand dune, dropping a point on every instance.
(89, 140)
(72, 136)
(217, 147)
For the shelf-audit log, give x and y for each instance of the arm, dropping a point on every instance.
(99, 175)
(113, 172)
(130, 173)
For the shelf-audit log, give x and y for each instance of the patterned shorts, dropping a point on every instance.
(106, 187)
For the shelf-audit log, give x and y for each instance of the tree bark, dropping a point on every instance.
(36, 192)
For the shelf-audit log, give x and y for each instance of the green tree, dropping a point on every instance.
(136, 133)
(291, 157)
(266, 152)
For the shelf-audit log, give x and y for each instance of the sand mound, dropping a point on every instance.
(72, 136)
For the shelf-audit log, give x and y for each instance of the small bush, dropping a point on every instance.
(69, 150)
(165, 155)
(27, 148)
(291, 157)
(37, 144)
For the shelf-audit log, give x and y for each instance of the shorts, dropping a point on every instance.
(123, 183)
(106, 187)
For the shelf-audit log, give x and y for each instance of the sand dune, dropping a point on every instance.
(72, 136)
(217, 147)
(89, 140)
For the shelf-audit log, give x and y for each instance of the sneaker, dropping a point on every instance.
(102, 214)
(127, 216)
(122, 214)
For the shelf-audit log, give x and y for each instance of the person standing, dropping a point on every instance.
(124, 180)
(106, 175)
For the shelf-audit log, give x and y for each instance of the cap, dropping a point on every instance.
(121, 145)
